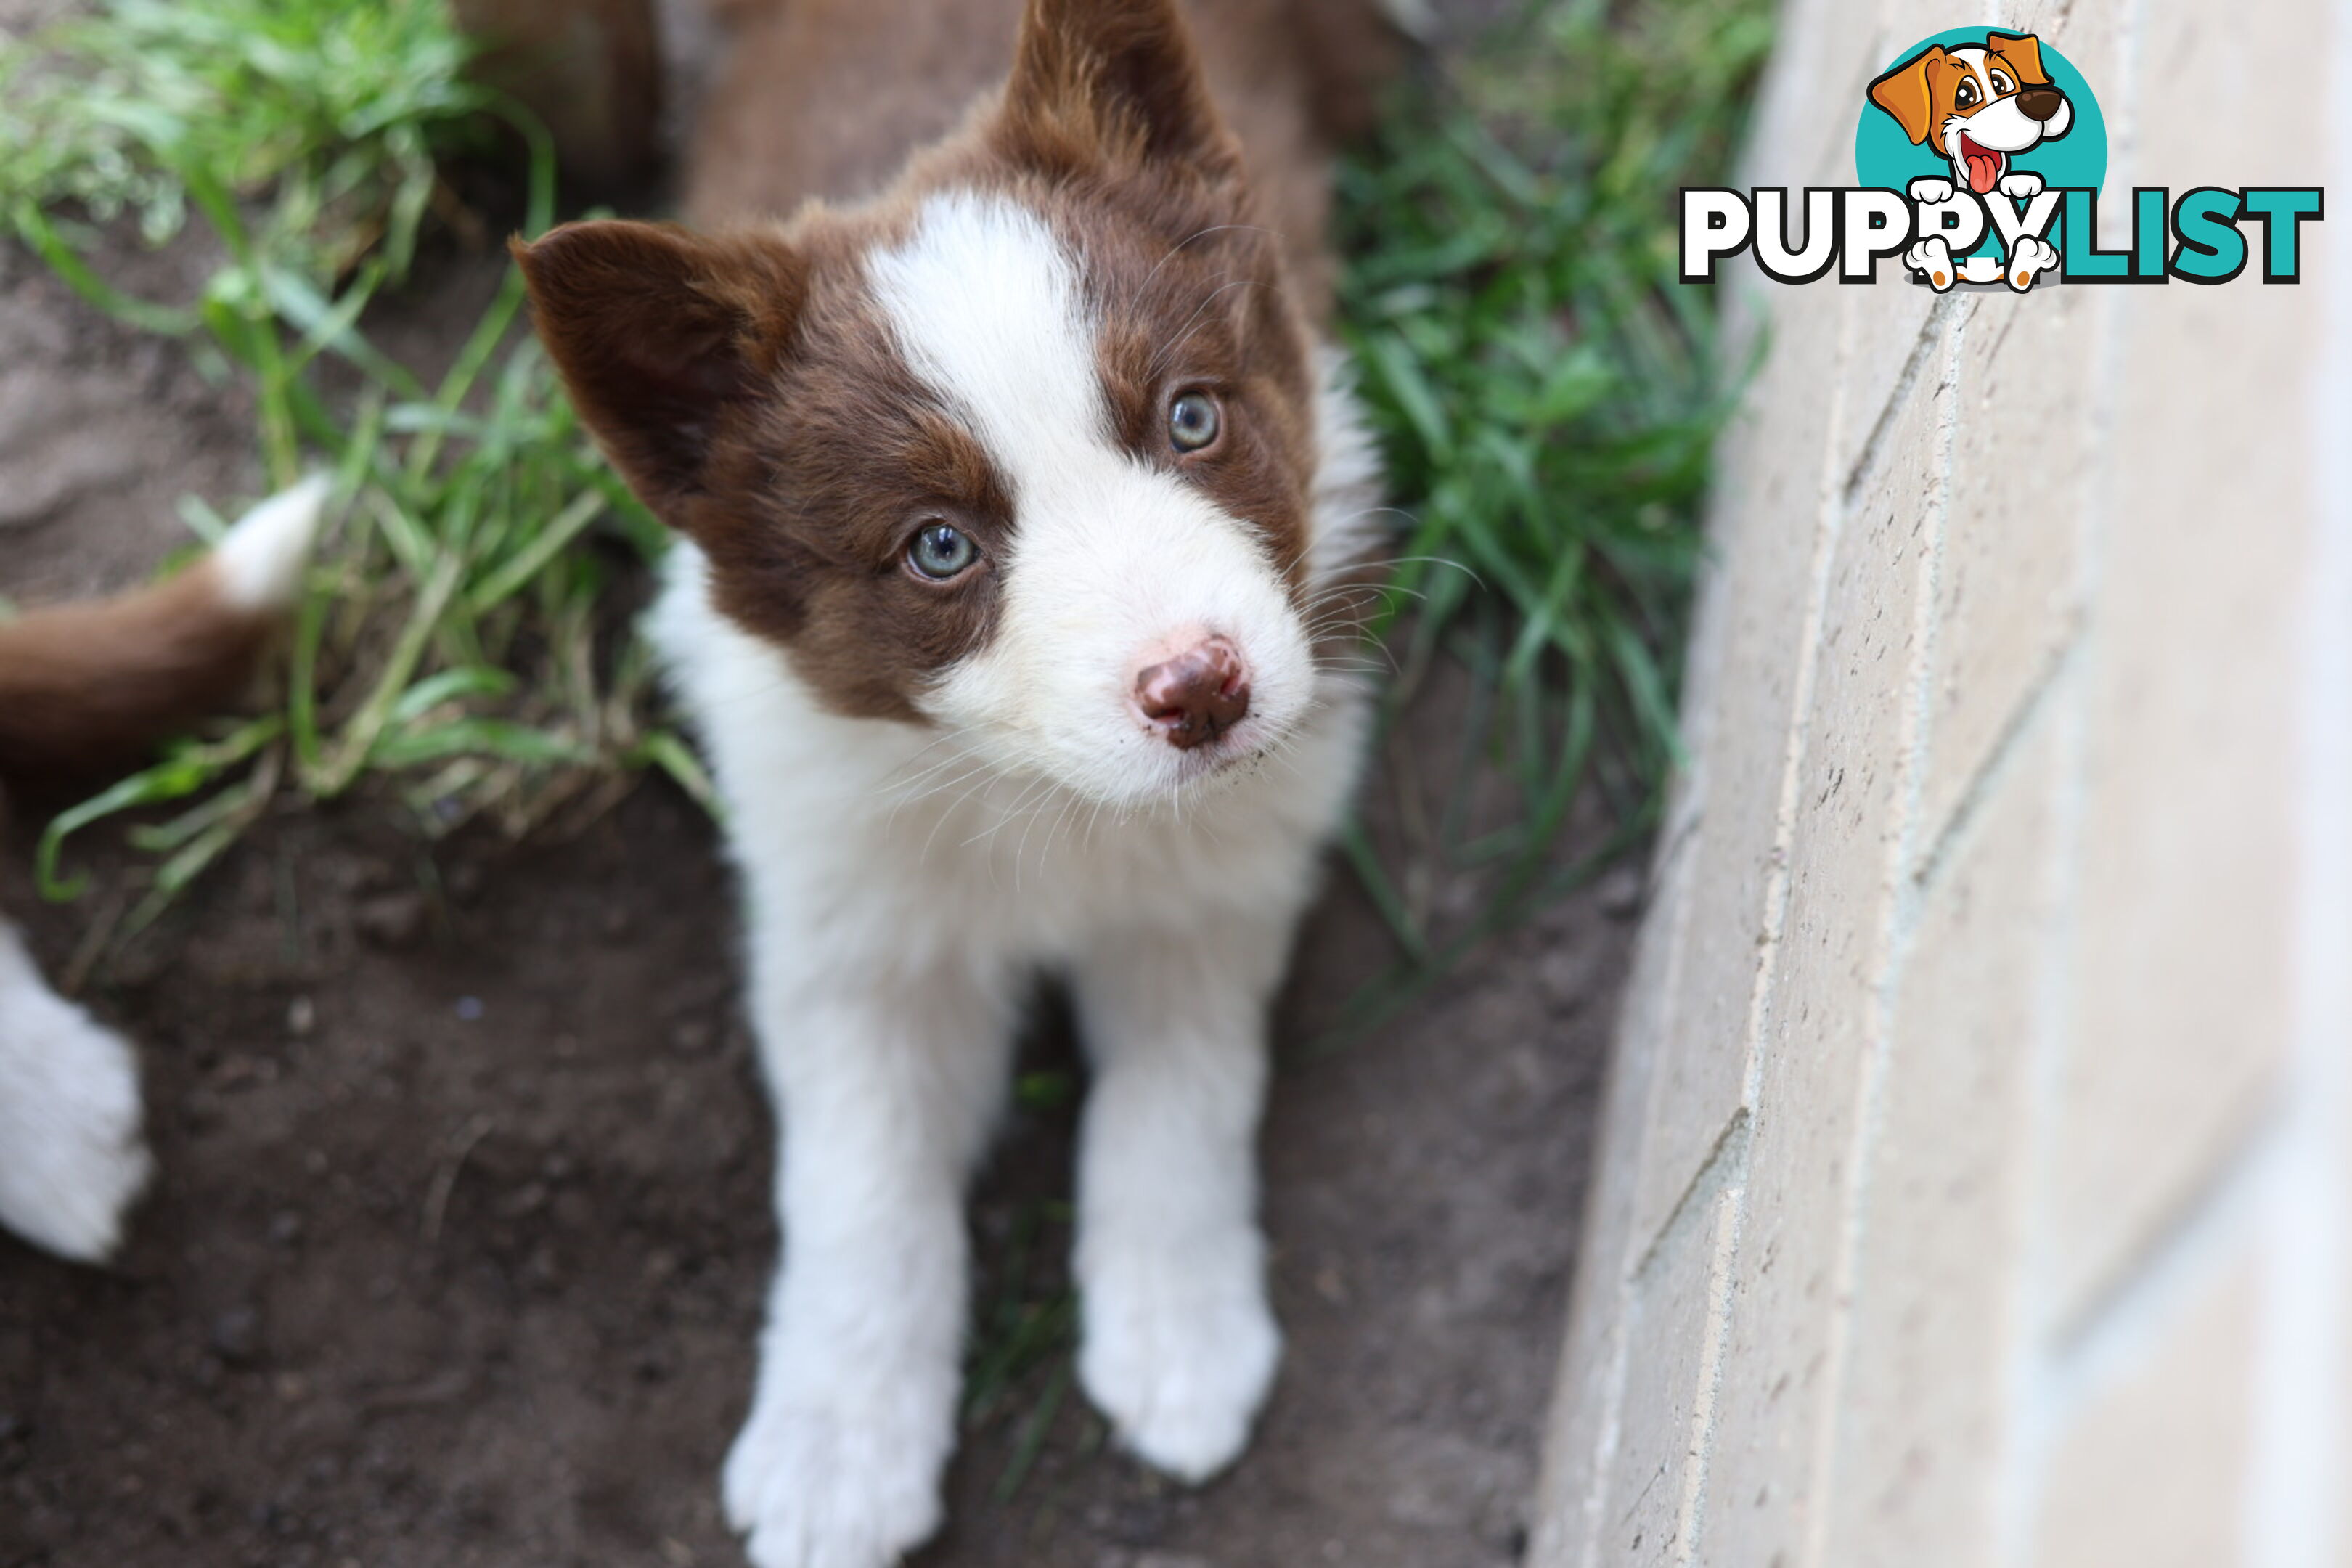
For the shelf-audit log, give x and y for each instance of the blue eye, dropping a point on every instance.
(940, 551)
(1193, 421)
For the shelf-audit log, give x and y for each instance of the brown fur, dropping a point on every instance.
(1920, 93)
(827, 98)
(748, 389)
(591, 70)
(815, 492)
(659, 335)
(2022, 52)
(86, 688)
(1909, 91)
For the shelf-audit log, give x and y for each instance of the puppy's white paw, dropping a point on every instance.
(811, 1485)
(1180, 1363)
(1928, 188)
(1932, 259)
(2021, 186)
(70, 1155)
(2028, 260)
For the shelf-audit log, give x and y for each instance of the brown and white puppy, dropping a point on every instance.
(84, 689)
(1977, 107)
(1021, 513)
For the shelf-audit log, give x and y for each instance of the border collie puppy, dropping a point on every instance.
(1022, 510)
(82, 688)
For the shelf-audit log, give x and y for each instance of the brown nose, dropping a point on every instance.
(1196, 696)
(2040, 102)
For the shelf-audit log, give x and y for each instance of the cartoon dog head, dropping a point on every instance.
(1977, 106)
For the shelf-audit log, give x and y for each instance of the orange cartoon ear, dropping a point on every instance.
(2023, 53)
(1904, 92)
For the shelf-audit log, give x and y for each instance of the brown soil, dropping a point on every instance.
(460, 1240)
(462, 1228)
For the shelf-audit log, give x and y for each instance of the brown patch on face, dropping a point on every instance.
(749, 391)
(1186, 307)
(814, 497)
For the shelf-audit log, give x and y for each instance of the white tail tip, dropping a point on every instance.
(261, 561)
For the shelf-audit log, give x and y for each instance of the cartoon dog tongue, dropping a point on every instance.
(1984, 165)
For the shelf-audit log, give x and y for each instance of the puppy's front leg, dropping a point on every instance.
(886, 1084)
(1178, 1346)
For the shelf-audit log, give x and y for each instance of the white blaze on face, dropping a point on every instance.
(1113, 563)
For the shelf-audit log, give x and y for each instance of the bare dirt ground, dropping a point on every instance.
(462, 1229)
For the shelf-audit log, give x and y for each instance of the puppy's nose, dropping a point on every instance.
(1197, 695)
(2040, 102)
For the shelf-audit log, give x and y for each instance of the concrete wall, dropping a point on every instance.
(1977, 1183)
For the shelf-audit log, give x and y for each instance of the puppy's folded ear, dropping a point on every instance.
(2023, 53)
(1907, 92)
(660, 334)
(1115, 83)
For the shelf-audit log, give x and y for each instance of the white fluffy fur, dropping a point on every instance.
(70, 1155)
(904, 885)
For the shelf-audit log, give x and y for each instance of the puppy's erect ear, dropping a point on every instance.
(2023, 53)
(658, 333)
(1907, 92)
(1110, 81)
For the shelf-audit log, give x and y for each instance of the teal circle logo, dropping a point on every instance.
(1914, 115)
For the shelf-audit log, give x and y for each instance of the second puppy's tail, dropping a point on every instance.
(87, 686)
